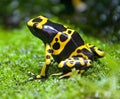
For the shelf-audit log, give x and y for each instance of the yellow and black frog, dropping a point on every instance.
(64, 45)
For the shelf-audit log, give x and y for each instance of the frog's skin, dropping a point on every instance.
(64, 45)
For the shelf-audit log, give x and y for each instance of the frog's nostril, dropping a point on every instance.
(37, 20)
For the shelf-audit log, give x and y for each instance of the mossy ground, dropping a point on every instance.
(21, 52)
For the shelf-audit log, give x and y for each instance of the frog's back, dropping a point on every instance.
(64, 43)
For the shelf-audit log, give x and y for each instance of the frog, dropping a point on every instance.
(63, 45)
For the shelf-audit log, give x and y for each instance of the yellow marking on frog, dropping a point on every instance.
(48, 60)
(30, 23)
(61, 64)
(81, 60)
(42, 71)
(82, 71)
(89, 45)
(69, 33)
(84, 46)
(40, 24)
(100, 53)
(71, 63)
(75, 53)
(62, 44)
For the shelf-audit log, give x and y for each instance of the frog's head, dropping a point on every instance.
(39, 27)
(98, 53)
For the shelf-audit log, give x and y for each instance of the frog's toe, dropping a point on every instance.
(67, 75)
(39, 77)
(32, 76)
(57, 74)
(62, 75)
(31, 79)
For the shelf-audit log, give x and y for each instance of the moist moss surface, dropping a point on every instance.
(21, 52)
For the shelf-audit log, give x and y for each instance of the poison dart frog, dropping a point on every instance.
(64, 45)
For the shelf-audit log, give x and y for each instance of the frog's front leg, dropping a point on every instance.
(45, 67)
(79, 63)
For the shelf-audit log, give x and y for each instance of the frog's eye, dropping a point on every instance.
(37, 20)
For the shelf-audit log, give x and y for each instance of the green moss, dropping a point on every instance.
(21, 52)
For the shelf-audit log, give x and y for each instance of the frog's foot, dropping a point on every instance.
(34, 76)
(61, 75)
(67, 75)
(57, 74)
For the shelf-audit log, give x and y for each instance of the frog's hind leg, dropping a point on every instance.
(79, 63)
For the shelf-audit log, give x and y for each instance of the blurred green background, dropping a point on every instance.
(94, 17)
